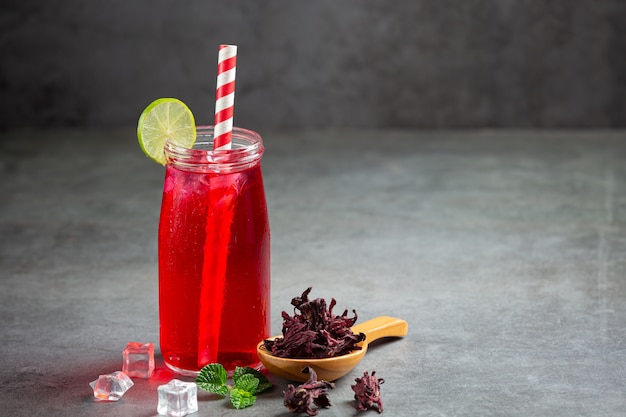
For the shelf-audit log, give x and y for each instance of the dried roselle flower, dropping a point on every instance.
(367, 392)
(314, 331)
(300, 399)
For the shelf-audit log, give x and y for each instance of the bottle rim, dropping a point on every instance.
(246, 152)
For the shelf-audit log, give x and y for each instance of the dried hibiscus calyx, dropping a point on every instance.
(314, 331)
(301, 399)
(367, 392)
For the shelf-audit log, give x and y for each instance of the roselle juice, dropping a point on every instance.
(214, 255)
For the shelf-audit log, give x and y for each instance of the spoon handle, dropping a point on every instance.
(382, 326)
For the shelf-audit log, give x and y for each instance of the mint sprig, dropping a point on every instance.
(248, 382)
(242, 395)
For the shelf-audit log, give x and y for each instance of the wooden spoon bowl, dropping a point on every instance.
(330, 369)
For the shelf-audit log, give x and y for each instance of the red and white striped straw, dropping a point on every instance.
(225, 96)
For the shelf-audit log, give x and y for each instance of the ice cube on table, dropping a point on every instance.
(177, 398)
(112, 386)
(138, 359)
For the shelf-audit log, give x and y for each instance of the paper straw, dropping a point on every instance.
(219, 215)
(225, 96)
(219, 220)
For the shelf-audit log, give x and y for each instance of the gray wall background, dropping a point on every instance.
(322, 63)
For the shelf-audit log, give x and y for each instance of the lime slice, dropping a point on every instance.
(165, 119)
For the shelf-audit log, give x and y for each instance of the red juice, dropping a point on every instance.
(214, 266)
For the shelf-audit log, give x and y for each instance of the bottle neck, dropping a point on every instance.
(246, 152)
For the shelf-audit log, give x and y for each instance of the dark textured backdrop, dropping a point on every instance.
(426, 63)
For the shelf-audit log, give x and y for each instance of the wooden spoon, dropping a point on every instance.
(330, 369)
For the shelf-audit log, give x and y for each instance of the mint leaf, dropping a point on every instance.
(240, 398)
(247, 383)
(212, 378)
(264, 384)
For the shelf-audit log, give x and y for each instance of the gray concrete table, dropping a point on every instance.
(504, 250)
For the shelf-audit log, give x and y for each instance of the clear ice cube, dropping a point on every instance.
(177, 398)
(138, 359)
(111, 387)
